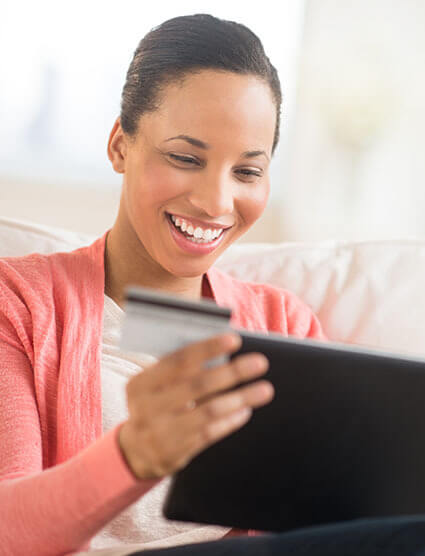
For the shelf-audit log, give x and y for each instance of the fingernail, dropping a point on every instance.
(267, 390)
(259, 362)
(235, 341)
(243, 413)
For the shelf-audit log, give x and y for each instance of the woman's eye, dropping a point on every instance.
(184, 159)
(247, 172)
(191, 161)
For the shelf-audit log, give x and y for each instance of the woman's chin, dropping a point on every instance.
(188, 270)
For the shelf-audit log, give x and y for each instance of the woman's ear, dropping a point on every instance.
(117, 147)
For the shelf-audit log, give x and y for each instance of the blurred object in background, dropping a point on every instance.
(357, 167)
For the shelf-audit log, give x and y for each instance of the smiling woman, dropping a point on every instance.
(90, 435)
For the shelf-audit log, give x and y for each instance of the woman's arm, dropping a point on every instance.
(57, 510)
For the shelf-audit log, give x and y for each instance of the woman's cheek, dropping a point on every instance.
(164, 183)
(254, 203)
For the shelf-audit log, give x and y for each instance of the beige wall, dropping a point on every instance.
(357, 164)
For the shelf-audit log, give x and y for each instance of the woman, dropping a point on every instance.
(90, 436)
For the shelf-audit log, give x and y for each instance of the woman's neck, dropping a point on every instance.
(123, 267)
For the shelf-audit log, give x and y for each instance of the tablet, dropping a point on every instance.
(343, 438)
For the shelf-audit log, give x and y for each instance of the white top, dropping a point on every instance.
(142, 523)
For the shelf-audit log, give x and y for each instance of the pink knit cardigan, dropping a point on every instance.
(61, 480)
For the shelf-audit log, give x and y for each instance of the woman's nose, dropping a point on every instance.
(213, 196)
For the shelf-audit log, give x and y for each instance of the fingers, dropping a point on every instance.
(192, 357)
(218, 417)
(184, 362)
(190, 433)
(195, 443)
(212, 381)
(251, 396)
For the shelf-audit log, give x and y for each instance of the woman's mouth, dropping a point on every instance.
(194, 240)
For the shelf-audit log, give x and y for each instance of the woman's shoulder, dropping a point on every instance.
(264, 307)
(23, 281)
(28, 274)
(38, 291)
(19, 275)
(41, 270)
(35, 283)
(225, 284)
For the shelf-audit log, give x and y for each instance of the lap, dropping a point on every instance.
(399, 536)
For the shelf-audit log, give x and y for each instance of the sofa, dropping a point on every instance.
(369, 293)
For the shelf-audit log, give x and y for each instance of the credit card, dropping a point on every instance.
(158, 323)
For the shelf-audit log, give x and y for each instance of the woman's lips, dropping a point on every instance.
(190, 246)
(204, 225)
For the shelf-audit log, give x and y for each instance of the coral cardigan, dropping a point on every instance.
(61, 480)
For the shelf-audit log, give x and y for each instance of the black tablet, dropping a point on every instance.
(344, 438)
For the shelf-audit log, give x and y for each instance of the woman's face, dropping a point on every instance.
(202, 157)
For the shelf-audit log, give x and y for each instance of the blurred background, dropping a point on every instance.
(350, 164)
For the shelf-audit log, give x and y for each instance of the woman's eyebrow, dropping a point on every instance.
(202, 145)
(191, 140)
(252, 154)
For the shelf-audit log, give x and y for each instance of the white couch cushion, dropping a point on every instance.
(18, 237)
(368, 293)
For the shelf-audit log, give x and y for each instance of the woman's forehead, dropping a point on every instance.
(212, 104)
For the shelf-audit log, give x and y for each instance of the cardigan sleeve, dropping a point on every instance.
(284, 312)
(56, 510)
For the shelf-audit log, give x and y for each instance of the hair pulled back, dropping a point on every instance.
(189, 44)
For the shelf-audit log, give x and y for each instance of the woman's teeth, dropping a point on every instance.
(197, 235)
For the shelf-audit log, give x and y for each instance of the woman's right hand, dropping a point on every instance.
(177, 407)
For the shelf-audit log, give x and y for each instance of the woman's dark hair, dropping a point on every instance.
(189, 44)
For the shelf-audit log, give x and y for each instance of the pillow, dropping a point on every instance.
(18, 237)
